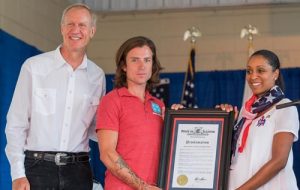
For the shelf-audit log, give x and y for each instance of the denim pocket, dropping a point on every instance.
(30, 163)
(83, 164)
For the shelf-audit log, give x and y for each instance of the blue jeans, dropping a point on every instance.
(45, 175)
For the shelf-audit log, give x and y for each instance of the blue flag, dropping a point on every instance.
(188, 98)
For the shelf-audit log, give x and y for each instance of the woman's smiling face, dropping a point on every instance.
(260, 75)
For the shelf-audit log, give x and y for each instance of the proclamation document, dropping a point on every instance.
(195, 159)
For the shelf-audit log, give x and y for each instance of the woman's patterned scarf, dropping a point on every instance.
(252, 108)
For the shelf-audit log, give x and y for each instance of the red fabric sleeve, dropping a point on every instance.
(108, 112)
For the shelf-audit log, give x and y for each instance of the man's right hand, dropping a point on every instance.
(21, 184)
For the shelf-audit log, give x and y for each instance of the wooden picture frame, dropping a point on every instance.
(196, 149)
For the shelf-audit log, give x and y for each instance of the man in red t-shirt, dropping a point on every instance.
(130, 120)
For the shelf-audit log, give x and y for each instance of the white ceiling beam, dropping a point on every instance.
(142, 5)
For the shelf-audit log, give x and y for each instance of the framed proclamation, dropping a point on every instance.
(196, 149)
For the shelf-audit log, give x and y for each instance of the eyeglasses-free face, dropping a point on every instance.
(260, 75)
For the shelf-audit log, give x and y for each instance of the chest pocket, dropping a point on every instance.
(90, 104)
(44, 101)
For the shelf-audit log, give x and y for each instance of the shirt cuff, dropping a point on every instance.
(17, 171)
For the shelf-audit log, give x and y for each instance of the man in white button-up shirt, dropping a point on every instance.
(51, 113)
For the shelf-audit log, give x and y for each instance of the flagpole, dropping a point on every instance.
(185, 77)
(248, 31)
(193, 33)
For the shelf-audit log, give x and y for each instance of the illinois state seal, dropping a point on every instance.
(182, 180)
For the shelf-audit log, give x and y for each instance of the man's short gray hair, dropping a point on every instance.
(80, 5)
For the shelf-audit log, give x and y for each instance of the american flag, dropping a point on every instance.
(188, 98)
(161, 91)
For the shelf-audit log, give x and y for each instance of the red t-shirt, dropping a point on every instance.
(139, 126)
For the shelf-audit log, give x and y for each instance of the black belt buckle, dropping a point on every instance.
(57, 159)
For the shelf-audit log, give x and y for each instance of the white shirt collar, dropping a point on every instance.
(60, 60)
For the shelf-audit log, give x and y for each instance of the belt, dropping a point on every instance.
(59, 158)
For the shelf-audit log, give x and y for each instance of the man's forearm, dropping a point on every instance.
(124, 173)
